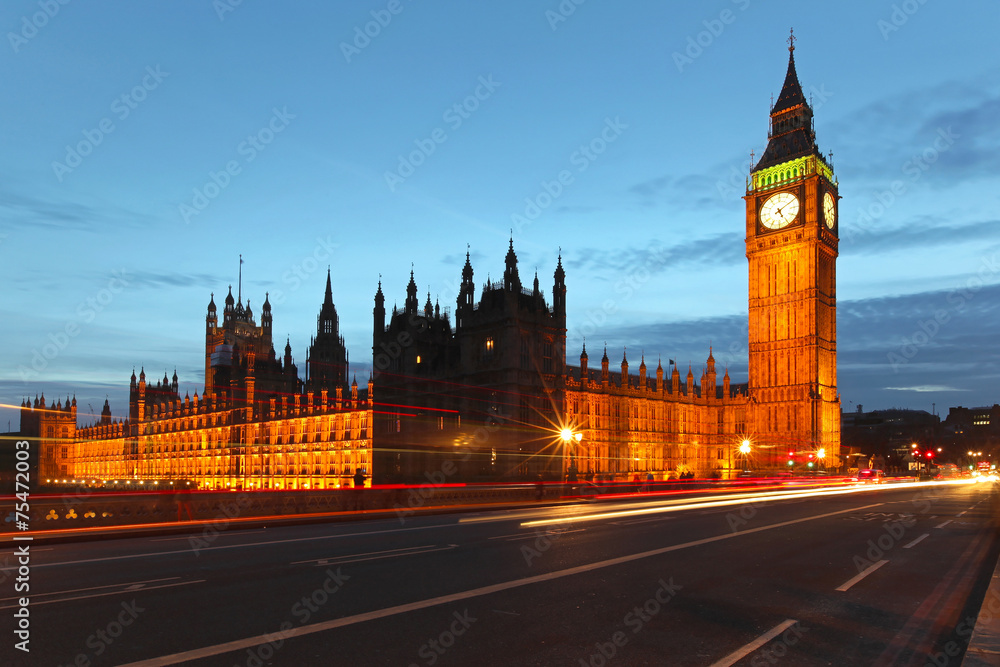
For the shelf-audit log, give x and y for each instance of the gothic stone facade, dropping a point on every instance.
(257, 426)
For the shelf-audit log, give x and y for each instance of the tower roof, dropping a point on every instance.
(791, 92)
(791, 134)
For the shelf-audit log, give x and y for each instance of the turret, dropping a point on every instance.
(659, 376)
(229, 311)
(327, 321)
(266, 319)
(604, 367)
(511, 279)
(466, 295)
(211, 319)
(378, 314)
(583, 363)
(410, 307)
(625, 378)
(708, 389)
(559, 292)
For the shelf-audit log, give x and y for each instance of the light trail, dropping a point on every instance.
(724, 501)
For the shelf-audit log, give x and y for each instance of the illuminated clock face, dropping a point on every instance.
(829, 210)
(779, 210)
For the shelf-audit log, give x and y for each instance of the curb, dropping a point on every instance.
(984, 645)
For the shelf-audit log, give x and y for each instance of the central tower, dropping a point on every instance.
(791, 246)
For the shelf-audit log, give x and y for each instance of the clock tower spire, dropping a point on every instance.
(792, 248)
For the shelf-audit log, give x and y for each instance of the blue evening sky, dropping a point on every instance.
(146, 145)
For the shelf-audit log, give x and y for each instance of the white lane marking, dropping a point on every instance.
(942, 525)
(741, 653)
(195, 535)
(553, 533)
(961, 513)
(636, 521)
(368, 553)
(94, 588)
(98, 595)
(917, 541)
(371, 555)
(858, 577)
(342, 561)
(240, 644)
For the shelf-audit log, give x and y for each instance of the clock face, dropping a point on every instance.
(779, 210)
(829, 210)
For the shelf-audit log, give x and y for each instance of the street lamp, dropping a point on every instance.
(569, 436)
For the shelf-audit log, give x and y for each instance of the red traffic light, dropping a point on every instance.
(930, 455)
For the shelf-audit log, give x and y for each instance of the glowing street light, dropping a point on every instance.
(568, 435)
(745, 447)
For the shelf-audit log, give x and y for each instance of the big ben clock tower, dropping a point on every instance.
(792, 227)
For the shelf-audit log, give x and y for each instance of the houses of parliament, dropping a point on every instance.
(491, 396)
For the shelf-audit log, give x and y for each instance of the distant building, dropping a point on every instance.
(887, 437)
(973, 430)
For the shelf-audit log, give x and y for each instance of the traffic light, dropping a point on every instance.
(930, 454)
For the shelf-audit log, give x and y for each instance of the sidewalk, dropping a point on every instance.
(984, 646)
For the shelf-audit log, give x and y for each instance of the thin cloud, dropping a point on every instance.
(657, 257)
(922, 233)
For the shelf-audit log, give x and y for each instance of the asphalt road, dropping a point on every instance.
(886, 576)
